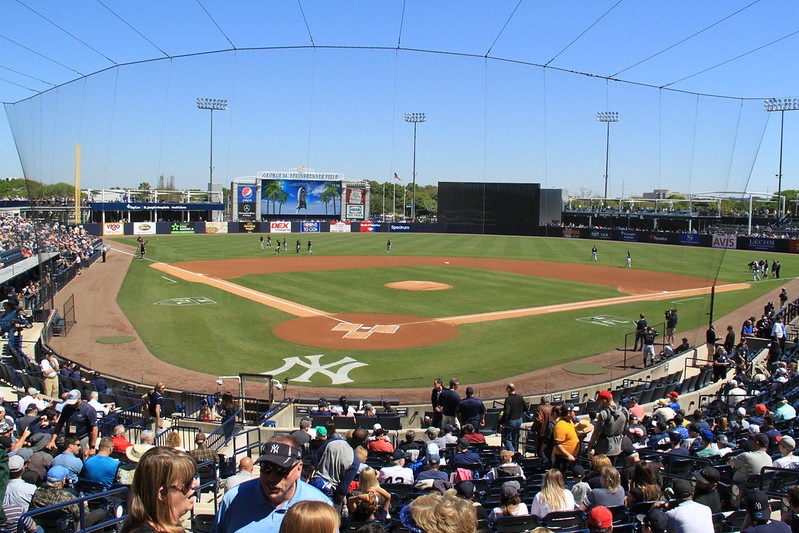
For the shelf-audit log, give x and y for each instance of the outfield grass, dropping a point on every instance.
(234, 335)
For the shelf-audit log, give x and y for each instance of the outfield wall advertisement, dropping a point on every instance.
(729, 242)
(300, 197)
(144, 228)
(280, 226)
(310, 227)
(340, 227)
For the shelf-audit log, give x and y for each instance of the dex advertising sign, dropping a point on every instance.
(725, 241)
(280, 226)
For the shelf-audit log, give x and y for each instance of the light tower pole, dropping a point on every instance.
(414, 118)
(782, 105)
(607, 117)
(212, 104)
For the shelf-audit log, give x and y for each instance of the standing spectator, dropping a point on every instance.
(244, 474)
(260, 505)
(611, 423)
(543, 416)
(640, 328)
(783, 296)
(448, 401)
(511, 419)
(778, 333)
(567, 443)
(710, 340)
(155, 403)
(438, 386)
(50, 370)
(471, 410)
(80, 419)
(335, 465)
(729, 339)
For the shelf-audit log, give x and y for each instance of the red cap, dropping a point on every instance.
(760, 408)
(605, 395)
(673, 394)
(600, 517)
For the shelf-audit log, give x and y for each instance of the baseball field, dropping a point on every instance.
(351, 314)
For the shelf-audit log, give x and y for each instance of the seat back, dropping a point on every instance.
(564, 520)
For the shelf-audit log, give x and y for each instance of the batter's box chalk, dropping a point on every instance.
(390, 329)
(346, 326)
(359, 334)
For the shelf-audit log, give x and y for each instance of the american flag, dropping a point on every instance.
(397, 177)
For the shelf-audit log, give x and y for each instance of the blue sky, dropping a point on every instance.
(330, 81)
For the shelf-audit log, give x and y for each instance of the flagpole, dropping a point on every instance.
(384, 204)
(404, 190)
(394, 204)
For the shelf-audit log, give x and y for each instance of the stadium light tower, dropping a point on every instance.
(607, 117)
(414, 118)
(782, 105)
(212, 104)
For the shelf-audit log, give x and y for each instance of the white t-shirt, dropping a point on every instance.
(790, 461)
(396, 474)
(540, 508)
(496, 513)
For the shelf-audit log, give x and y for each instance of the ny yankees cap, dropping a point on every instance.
(280, 454)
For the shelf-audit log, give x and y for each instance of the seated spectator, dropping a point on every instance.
(788, 459)
(173, 440)
(750, 463)
(609, 495)
(52, 492)
(465, 490)
(425, 478)
(99, 383)
(22, 423)
(201, 452)
(102, 468)
(659, 440)
(464, 458)
(69, 457)
(244, 474)
(758, 515)
(553, 495)
(706, 488)
(439, 513)
(102, 408)
(594, 476)
(343, 408)
(18, 491)
(472, 436)
(32, 398)
(302, 434)
(506, 466)
(411, 445)
(784, 411)
(388, 408)
(396, 471)
(663, 412)
(510, 504)
(645, 484)
(580, 488)
(37, 467)
(381, 443)
(121, 443)
(370, 501)
(707, 447)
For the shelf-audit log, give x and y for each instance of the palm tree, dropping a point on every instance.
(333, 191)
(272, 191)
(325, 198)
(281, 198)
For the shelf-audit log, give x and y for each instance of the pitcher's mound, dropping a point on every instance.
(418, 286)
(365, 331)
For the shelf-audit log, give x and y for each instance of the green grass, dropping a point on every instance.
(234, 335)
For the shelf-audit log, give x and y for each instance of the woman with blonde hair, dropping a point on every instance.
(162, 491)
(553, 496)
(439, 513)
(594, 477)
(610, 494)
(173, 440)
(310, 517)
(371, 501)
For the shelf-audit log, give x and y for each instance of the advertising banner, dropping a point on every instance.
(113, 228)
(603, 234)
(628, 236)
(181, 227)
(355, 212)
(300, 197)
(310, 227)
(356, 196)
(663, 238)
(725, 241)
(248, 226)
(216, 227)
(280, 226)
(691, 239)
(340, 227)
(762, 244)
(369, 227)
(398, 227)
(571, 233)
(793, 247)
(144, 228)
(246, 194)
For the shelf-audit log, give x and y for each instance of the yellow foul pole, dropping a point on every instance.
(77, 183)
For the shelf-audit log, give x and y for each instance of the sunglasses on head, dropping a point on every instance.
(272, 468)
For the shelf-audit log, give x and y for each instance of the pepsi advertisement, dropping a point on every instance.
(246, 198)
(300, 197)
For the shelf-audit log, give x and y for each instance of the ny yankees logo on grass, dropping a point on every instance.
(338, 377)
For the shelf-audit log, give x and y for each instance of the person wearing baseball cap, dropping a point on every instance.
(784, 410)
(396, 471)
(706, 488)
(673, 403)
(758, 513)
(600, 520)
(611, 425)
(687, 516)
(78, 419)
(260, 504)
(567, 443)
(750, 463)
(788, 460)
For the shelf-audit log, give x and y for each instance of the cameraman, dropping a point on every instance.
(671, 325)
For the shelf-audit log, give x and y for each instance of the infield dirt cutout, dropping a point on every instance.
(371, 331)
(418, 286)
